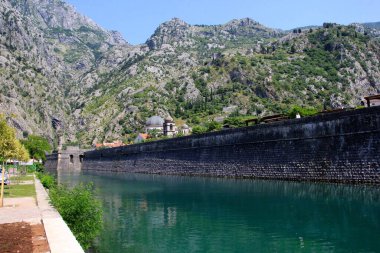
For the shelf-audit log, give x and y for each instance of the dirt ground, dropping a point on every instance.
(22, 237)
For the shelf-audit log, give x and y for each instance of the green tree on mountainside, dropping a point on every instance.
(199, 129)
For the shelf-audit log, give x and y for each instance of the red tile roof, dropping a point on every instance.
(114, 144)
(144, 136)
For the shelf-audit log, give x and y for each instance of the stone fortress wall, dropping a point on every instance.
(69, 159)
(334, 147)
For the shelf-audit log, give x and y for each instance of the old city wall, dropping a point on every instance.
(51, 163)
(69, 159)
(335, 147)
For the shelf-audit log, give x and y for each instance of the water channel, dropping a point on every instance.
(170, 214)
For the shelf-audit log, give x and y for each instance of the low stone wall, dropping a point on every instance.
(336, 147)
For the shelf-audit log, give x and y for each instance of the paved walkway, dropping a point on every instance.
(20, 210)
(60, 237)
(30, 210)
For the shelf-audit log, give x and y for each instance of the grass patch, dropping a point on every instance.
(17, 191)
(22, 178)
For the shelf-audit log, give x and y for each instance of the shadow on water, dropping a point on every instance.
(152, 213)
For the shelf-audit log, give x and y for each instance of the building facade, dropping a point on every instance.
(170, 128)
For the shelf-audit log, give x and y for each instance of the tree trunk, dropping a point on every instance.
(2, 185)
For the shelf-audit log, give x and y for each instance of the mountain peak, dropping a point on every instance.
(245, 22)
(57, 14)
(174, 23)
(170, 31)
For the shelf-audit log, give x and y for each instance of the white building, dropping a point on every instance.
(154, 123)
(185, 130)
(170, 128)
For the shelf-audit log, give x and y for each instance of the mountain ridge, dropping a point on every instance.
(59, 65)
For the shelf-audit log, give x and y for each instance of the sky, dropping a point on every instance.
(137, 20)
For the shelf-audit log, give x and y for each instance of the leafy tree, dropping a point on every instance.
(213, 126)
(303, 111)
(7, 140)
(293, 49)
(10, 148)
(37, 146)
(154, 133)
(22, 153)
(237, 121)
(199, 130)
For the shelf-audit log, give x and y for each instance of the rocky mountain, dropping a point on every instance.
(57, 65)
(236, 32)
(372, 29)
(373, 25)
(45, 48)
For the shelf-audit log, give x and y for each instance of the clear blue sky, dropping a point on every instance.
(137, 19)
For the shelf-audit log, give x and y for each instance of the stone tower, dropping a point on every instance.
(170, 128)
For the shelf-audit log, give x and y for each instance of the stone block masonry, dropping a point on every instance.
(69, 159)
(335, 147)
(51, 163)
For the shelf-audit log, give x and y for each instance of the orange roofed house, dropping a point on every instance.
(141, 138)
(114, 144)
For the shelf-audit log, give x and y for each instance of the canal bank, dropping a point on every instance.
(332, 147)
(60, 237)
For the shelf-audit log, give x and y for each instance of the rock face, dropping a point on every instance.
(175, 32)
(178, 33)
(45, 49)
(59, 66)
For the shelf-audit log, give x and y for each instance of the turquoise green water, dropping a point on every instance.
(147, 213)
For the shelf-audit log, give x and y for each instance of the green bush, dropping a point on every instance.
(30, 169)
(80, 210)
(40, 167)
(213, 126)
(238, 121)
(303, 111)
(199, 130)
(47, 180)
(37, 146)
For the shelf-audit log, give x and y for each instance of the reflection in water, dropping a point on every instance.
(151, 213)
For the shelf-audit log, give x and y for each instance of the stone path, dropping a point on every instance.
(20, 210)
(39, 211)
